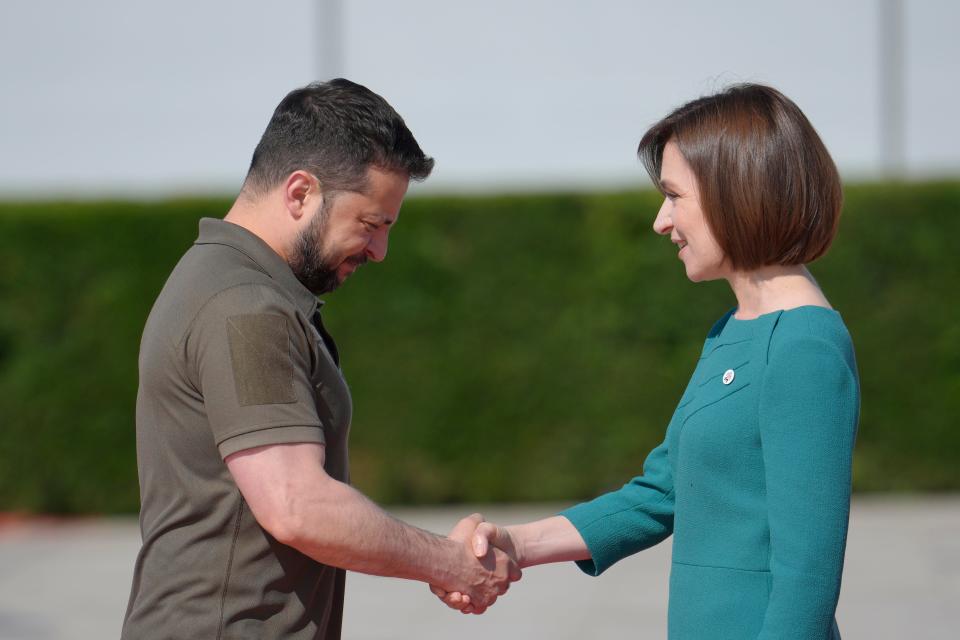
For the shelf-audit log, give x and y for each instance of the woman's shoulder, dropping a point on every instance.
(784, 334)
(810, 322)
(811, 328)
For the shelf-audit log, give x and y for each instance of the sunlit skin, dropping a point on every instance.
(357, 226)
(328, 235)
(681, 218)
(341, 231)
(758, 291)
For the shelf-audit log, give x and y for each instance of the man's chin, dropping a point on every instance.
(320, 286)
(333, 281)
(330, 279)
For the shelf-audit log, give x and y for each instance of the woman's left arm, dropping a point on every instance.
(809, 408)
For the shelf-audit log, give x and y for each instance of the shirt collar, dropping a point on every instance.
(215, 231)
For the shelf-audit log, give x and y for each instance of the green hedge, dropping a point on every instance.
(510, 348)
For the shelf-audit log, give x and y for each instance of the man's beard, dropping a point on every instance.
(307, 260)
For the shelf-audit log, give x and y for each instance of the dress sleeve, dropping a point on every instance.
(808, 413)
(250, 359)
(623, 522)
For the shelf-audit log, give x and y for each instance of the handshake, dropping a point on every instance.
(493, 562)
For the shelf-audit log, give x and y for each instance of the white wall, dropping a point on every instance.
(158, 98)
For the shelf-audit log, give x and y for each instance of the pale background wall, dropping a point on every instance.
(125, 97)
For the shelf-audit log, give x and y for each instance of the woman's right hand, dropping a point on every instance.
(552, 539)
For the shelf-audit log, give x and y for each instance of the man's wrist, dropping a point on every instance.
(445, 565)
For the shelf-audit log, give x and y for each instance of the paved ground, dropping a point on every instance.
(69, 580)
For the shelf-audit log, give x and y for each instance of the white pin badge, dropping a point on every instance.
(728, 376)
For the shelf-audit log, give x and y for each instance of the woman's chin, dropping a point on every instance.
(693, 275)
(701, 275)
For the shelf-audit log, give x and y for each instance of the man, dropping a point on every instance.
(247, 518)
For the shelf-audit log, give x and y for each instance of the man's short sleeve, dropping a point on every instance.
(250, 355)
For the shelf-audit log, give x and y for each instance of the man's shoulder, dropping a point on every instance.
(211, 282)
(209, 270)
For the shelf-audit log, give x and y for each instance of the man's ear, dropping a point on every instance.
(301, 194)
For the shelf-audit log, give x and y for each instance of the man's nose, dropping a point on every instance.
(663, 223)
(377, 249)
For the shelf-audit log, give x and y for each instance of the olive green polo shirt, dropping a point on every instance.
(233, 356)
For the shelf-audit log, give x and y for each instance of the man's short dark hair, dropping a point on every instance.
(768, 188)
(336, 130)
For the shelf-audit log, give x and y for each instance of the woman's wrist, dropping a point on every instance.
(550, 540)
(515, 533)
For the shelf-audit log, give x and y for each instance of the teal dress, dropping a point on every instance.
(753, 481)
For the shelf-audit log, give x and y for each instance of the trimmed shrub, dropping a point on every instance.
(511, 348)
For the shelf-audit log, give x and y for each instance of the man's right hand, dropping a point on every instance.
(552, 539)
(493, 549)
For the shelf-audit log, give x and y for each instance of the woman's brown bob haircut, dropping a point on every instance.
(768, 188)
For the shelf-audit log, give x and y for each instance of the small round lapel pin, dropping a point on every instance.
(728, 376)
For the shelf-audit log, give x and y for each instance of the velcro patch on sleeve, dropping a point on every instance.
(260, 354)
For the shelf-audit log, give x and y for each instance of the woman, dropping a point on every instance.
(753, 477)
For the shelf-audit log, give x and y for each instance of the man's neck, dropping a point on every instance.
(256, 216)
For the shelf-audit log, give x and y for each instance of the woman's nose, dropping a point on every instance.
(663, 223)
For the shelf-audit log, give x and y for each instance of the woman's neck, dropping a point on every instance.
(773, 288)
